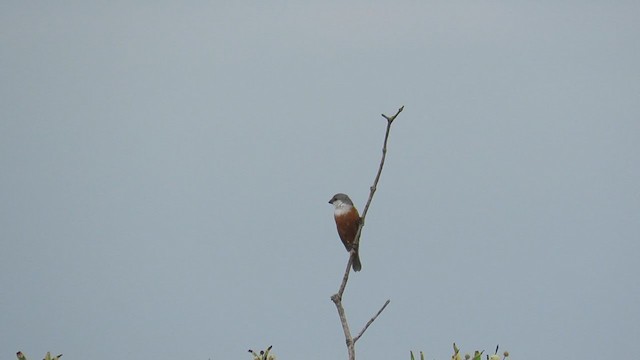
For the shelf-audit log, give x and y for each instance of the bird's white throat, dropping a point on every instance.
(341, 208)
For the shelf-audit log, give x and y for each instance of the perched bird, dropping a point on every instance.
(347, 222)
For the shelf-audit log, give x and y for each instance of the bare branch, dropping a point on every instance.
(374, 187)
(345, 277)
(345, 326)
(371, 321)
(337, 298)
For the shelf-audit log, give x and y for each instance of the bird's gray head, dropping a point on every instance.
(340, 199)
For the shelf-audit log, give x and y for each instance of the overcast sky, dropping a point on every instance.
(165, 169)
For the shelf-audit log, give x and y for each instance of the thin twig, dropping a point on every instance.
(355, 339)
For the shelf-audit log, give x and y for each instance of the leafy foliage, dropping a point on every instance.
(477, 355)
(263, 354)
(48, 356)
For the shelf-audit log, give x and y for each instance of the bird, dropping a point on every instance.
(347, 221)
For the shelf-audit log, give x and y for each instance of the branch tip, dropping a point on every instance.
(391, 118)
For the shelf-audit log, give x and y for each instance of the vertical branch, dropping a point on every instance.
(374, 187)
(337, 298)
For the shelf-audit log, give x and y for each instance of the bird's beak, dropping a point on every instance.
(331, 201)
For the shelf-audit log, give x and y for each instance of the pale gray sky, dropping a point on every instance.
(166, 167)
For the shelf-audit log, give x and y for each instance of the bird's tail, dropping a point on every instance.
(355, 262)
